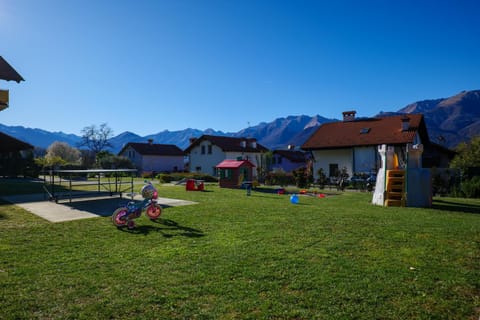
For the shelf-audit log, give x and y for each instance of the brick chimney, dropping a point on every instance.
(349, 115)
(405, 123)
(150, 141)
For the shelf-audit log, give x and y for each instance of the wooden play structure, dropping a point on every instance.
(233, 173)
(401, 180)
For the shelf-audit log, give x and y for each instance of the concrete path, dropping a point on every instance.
(79, 208)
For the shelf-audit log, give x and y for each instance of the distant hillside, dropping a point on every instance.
(181, 138)
(449, 121)
(281, 132)
(277, 134)
(119, 141)
(38, 137)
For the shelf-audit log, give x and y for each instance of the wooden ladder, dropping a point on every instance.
(395, 191)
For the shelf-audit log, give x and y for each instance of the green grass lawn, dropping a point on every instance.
(237, 257)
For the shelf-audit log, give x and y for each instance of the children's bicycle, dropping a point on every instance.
(125, 215)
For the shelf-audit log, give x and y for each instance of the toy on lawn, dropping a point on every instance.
(294, 199)
(124, 216)
(194, 185)
(248, 187)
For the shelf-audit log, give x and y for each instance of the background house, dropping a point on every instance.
(13, 152)
(288, 160)
(153, 157)
(14, 156)
(436, 155)
(8, 73)
(207, 151)
(352, 143)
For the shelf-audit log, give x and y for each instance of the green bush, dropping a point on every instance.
(446, 182)
(148, 175)
(279, 178)
(322, 178)
(31, 170)
(471, 188)
(115, 162)
(178, 176)
(165, 178)
(73, 175)
(302, 178)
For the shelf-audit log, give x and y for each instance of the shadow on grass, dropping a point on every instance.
(105, 207)
(455, 206)
(168, 228)
(265, 190)
(289, 192)
(100, 207)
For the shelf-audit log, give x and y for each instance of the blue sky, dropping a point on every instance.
(148, 66)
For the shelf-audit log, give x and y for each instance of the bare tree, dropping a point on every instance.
(96, 139)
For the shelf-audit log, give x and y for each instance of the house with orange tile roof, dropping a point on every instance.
(353, 143)
(207, 151)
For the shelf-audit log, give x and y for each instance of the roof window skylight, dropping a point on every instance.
(365, 130)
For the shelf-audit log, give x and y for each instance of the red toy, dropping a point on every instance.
(194, 185)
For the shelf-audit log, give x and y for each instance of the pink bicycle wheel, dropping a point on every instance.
(154, 211)
(119, 217)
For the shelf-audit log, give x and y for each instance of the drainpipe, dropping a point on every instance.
(353, 160)
(385, 175)
(406, 178)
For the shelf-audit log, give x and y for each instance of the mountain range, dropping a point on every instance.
(449, 121)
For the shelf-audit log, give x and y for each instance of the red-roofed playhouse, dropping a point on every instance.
(232, 173)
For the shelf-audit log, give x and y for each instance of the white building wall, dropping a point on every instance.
(251, 156)
(206, 162)
(134, 156)
(365, 159)
(162, 163)
(323, 159)
(155, 163)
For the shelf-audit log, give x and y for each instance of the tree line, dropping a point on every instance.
(90, 152)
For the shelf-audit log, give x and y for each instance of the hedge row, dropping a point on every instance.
(170, 177)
